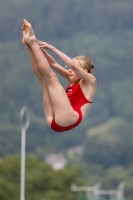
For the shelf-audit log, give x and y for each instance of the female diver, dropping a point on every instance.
(64, 110)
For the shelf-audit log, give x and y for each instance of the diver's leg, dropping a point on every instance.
(48, 111)
(63, 111)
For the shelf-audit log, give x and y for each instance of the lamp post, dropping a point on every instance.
(24, 127)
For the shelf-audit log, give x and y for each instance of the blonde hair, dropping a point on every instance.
(85, 62)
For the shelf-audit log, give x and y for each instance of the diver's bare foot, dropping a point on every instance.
(28, 33)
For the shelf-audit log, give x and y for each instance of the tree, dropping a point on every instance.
(42, 182)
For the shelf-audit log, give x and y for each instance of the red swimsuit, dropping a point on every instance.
(77, 100)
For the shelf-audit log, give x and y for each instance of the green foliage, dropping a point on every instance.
(103, 31)
(10, 178)
(15, 93)
(53, 19)
(104, 42)
(110, 144)
(42, 182)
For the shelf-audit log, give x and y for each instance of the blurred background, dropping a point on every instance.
(101, 148)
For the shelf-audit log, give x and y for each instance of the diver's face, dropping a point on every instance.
(73, 76)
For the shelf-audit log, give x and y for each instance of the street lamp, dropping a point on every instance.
(24, 127)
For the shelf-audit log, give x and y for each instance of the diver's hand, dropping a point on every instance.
(45, 45)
